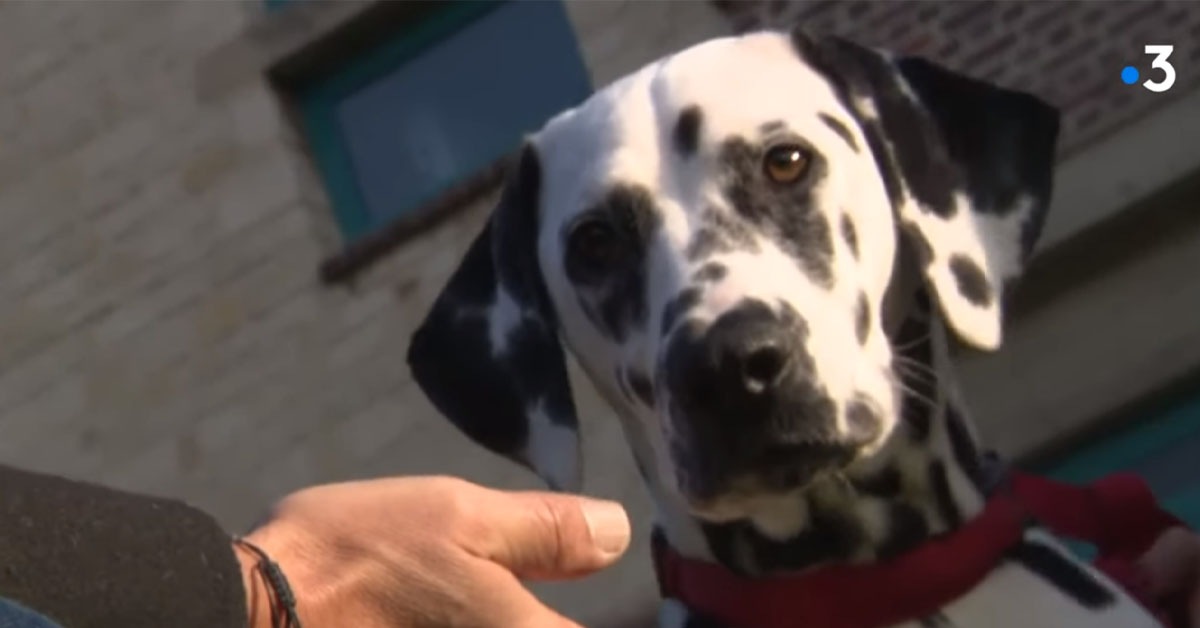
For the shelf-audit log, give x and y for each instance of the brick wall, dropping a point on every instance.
(161, 325)
(1070, 53)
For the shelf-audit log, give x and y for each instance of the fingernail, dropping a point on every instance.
(608, 524)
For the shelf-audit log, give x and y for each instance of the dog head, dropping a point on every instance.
(715, 237)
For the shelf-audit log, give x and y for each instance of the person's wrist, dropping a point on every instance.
(258, 595)
(296, 554)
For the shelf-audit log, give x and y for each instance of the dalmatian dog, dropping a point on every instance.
(759, 250)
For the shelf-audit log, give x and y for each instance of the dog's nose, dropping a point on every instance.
(752, 358)
(744, 356)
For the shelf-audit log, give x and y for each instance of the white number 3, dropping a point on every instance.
(1160, 63)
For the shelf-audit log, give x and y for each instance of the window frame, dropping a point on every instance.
(318, 101)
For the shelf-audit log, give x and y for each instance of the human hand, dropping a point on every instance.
(429, 552)
(1172, 566)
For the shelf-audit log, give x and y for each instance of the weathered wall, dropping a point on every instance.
(161, 326)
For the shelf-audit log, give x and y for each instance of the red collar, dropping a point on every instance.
(1118, 515)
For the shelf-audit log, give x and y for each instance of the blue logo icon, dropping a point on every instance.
(1159, 64)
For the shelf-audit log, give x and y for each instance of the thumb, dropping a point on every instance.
(512, 605)
(551, 536)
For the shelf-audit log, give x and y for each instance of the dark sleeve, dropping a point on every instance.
(91, 557)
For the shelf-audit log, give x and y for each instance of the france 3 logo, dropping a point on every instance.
(1130, 74)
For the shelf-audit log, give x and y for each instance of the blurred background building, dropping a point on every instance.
(220, 222)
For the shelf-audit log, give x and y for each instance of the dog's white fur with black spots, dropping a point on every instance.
(759, 249)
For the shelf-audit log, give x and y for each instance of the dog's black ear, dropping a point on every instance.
(488, 354)
(968, 166)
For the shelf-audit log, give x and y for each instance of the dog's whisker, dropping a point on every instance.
(911, 342)
(913, 363)
(913, 367)
(915, 396)
(912, 376)
(910, 393)
(909, 345)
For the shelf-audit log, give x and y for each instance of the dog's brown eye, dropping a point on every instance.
(594, 245)
(786, 164)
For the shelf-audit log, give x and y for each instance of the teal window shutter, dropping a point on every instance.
(1163, 448)
(437, 103)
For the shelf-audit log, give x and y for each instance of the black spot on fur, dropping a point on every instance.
(994, 144)
(489, 382)
(971, 281)
(913, 147)
(862, 319)
(687, 130)
(615, 300)
(773, 126)
(679, 306)
(711, 272)
(921, 304)
(853, 72)
(920, 246)
(1062, 574)
(736, 231)
(704, 243)
(886, 166)
(885, 483)
(642, 387)
(528, 356)
(516, 231)
(841, 129)
(862, 421)
(966, 454)
(939, 482)
(850, 234)
(1003, 140)
(451, 354)
(917, 414)
(930, 174)
(907, 529)
(719, 232)
(783, 212)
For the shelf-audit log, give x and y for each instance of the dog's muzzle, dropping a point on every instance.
(746, 407)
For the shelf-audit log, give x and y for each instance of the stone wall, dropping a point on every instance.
(162, 328)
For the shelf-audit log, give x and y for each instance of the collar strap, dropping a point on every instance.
(1118, 514)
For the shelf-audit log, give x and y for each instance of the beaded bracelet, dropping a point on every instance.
(283, 611)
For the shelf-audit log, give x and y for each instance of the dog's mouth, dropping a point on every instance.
(725, 462)
(747, 414)
(719, 491)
